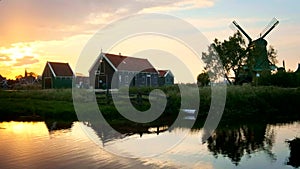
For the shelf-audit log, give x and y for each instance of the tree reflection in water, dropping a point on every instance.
(234, 142)
(295, 153)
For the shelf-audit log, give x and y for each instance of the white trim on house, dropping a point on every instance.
(51, 69)
(168, 72)
(109, 62)
(73, 74)
(98, 59)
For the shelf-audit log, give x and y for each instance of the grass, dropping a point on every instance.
(270, 102)
(46, 104)
(243, 103)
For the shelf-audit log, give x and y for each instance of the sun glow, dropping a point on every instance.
(17, 51)
(17, 57)
(25, 128)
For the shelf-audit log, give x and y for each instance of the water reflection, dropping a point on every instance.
(31, 145)
(35, 144)
(235, 142)
(53, 125)
(232, 141)
(294, 145)
(106, 134)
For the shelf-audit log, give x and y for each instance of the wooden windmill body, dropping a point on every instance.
(257, 56)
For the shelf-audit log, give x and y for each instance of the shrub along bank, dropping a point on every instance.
(242, 102)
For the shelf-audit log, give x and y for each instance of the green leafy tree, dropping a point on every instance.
(214, 67)
(272, 55)
(231, 53)
(203, 79)
(234, 56)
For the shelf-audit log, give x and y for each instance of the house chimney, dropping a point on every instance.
(120, 54)
(283, 64)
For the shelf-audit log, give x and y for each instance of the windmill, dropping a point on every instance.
(257, 50)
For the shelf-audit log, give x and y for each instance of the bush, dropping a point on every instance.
(281, 79)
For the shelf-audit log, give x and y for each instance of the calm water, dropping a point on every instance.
(32, 145)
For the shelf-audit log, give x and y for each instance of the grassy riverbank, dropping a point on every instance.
(246, 102)
(42, 104)
(242, 103)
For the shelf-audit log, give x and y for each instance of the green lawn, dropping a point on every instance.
(243, 102)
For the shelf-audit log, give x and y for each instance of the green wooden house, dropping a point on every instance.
(115, 71)
(57, 75)
(165, 77)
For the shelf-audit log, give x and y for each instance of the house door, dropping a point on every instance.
(148, 80)
(132, 83)
(102, 82)
(48, 83)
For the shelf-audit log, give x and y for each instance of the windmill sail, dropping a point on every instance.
(240, 28)
(269, 27)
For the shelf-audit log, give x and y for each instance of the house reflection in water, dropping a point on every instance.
(107, 134)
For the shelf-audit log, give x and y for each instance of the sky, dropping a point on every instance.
(33, 32)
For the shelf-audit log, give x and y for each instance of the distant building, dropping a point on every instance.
(126, 68)
(82, 81)
(3, 82)
(28, 78)
(165, 77)
(2, 78)
(57, 75)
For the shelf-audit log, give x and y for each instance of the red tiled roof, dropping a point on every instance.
(130, 63)
(162, 73)
(61, 69)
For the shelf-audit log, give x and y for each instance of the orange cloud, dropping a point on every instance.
(26, 60)
(4, 58)
(31, 20)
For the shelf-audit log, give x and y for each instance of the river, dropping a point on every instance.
(34, 145)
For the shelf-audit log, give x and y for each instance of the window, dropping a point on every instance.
(143, 79)
(126, 79)
(120, 78)
(155, 79)
(102, 68)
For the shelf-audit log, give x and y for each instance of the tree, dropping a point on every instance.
(272, 55)
(32, 74)
(232, 54)
(214, 67)
(19, 77)
(203, 79)
(235, 56)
